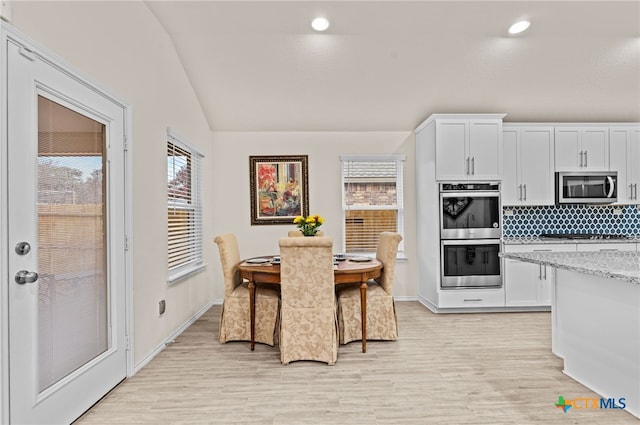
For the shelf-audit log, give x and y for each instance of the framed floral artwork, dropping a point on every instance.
(279, 188)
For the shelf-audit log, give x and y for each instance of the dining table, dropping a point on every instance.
(347, 270)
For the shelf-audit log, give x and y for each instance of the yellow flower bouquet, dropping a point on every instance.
(308, 225)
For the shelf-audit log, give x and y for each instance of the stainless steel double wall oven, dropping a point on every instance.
(470, 235)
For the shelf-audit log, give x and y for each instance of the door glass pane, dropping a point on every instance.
(470, 212)
(73, 297)
(588, 186)
(471, 260)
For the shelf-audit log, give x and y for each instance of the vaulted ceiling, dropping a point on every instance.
(387, 65)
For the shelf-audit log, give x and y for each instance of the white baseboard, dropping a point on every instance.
(405, 298)
(173, 336)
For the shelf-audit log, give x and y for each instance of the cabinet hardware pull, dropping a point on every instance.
(585, 159)
(473, 165)
(467, 170)
(539, 271)
(520, 192)
(581, 152)
(472, 299)
(630, 190)
(545, 272)
(525, 191)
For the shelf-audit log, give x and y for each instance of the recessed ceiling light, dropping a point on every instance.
(518, 27)
(320, 24)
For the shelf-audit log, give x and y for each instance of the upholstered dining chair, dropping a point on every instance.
(294, 233)
(235, 319)
(308, 322)
(382, 322)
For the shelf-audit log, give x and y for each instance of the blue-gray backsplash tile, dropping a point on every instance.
(533, 221)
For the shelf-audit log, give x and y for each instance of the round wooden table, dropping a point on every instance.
(346, 272)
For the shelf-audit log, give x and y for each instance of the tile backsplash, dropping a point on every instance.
(605, 219)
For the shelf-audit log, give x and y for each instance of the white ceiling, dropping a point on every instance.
(387, 65)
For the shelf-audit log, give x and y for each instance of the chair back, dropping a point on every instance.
(229, 258)
(386, 252)
(306, 272)
(308, 320)
(295, 233)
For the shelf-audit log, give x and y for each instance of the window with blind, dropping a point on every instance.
(185, 254)
(372, 200)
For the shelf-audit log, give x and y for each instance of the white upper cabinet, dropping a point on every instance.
(582, 148)
(468, 148)
(527, 170)
(624, 157)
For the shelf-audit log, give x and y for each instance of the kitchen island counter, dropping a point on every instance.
(612, 264)
(596, 320)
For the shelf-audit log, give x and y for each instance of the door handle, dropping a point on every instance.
(24, 276)
(585, 159)
(613, 187)
(581, 161)
(467, 170)
(473, 165)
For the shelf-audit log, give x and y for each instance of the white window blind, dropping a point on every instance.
(372, 200)
(185, 253)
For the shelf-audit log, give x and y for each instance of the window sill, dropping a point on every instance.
(182, 274)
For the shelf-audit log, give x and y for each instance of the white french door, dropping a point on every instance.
(66, 237)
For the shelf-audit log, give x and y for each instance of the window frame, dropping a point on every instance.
(195, 262)
(399, 159)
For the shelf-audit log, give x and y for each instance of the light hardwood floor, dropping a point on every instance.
(443, 369)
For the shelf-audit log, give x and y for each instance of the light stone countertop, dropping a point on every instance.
(524, 240)
(621, 265)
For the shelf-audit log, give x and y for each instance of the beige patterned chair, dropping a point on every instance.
(294, 233)
(382, 322)
(235, 320)
(308, 322)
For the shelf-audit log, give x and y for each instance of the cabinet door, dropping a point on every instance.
(536, 166)
(510, 189)
(595, 148)
(618, 144)
(633, 162)
(545, 291)
(485, 149)
(523, 281)
(452, 161)
(567, 149)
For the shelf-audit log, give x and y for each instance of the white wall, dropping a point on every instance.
(231, 153)
(121, 46)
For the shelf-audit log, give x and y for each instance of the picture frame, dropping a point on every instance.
(279, 188)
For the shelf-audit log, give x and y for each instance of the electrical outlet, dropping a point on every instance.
(617, 211)
(508, 212)
(162, 307)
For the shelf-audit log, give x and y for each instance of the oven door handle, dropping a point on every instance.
(467, 194)
(446, 242)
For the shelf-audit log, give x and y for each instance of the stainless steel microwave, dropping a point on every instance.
(579, 187)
